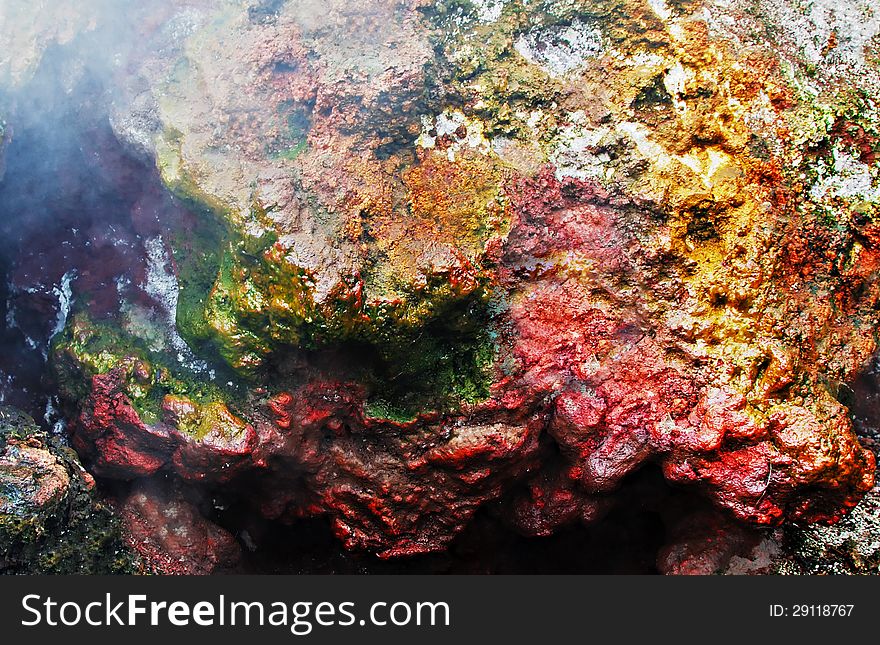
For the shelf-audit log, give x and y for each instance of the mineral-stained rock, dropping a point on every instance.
(171, 535)
(203, 440)
(708, 543)
(51, 519)
(445, 252)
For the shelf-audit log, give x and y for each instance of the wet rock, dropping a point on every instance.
(551, 501)
(457, 263)
(52, 519)
(202, 441)
(171, 535)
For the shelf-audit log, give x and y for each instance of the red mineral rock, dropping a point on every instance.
(440, 261)
(171, 535)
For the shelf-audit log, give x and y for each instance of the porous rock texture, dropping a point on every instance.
(707, 542)
(445, 253)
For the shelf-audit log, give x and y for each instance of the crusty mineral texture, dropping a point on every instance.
(850, 546)
(171, 536)
(51, 520)
(706, 542)
(442, 251)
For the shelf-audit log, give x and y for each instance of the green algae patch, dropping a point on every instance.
(87, 348)
(438, 370)
(244, 303)
(290, 153)
(198, 252)
(425, 351)
(198, 421)
(256, 303)
(261, 303)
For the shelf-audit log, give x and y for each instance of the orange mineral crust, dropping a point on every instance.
(443, 259)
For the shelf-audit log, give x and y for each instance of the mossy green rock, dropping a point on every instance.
(51, 520)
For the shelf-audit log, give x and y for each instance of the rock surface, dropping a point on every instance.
(51, 518)
(170, 534)
(444, 254)
(603, 238)
(710, 544)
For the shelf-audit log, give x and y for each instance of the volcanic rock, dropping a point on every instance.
(441, 254)
(51, 518)
(171, 535)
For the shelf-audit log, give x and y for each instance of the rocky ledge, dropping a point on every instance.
(442, 256)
